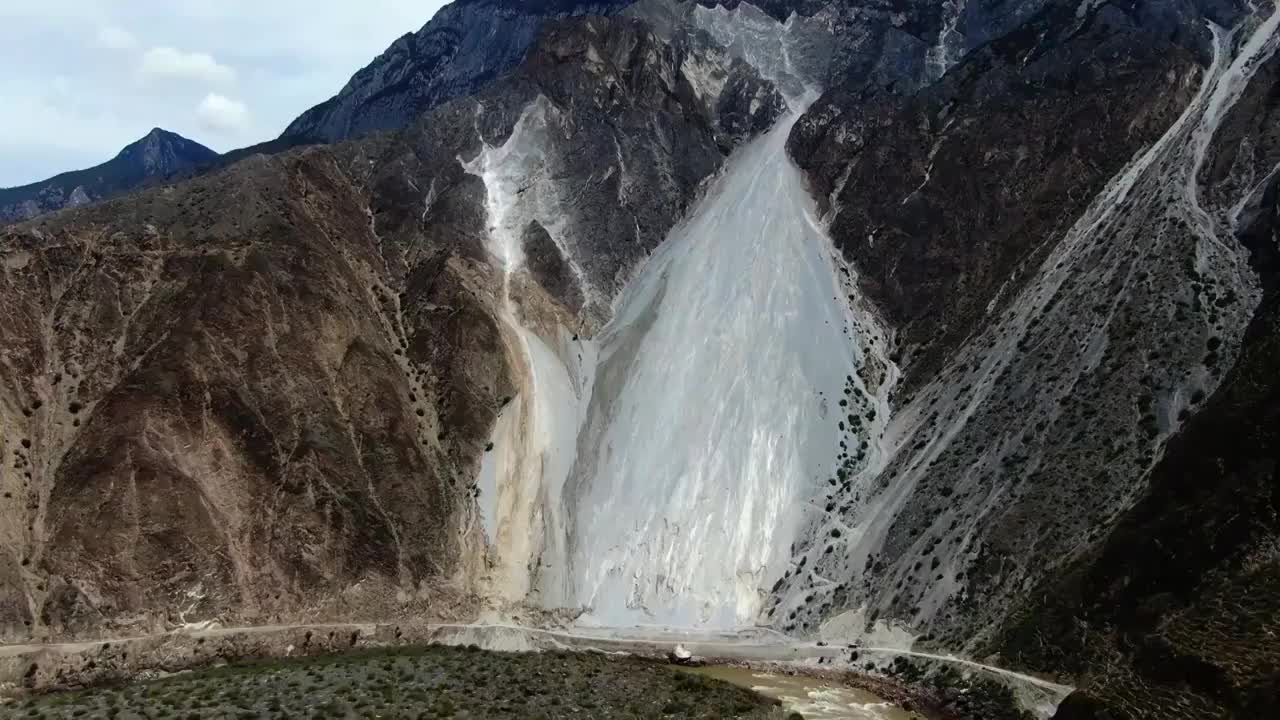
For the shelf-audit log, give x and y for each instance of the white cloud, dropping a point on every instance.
(111, 37)
(47, 127)
(221, 114)
(166, 63)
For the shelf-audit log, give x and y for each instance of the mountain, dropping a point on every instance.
(301, 356)
(465, 45)
(947, 327)
(469, 43)
(159, 154)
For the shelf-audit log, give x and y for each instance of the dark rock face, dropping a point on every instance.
(465, 46)
(650, 166)
(1033, 226)
(891, 46)
(550, 268)
(1081, 705)
(779, 10)
(468, 44)
(262, 394)
(1170, 614)
(948, 202)
(161, 154)
(969, 159)
(626, 135)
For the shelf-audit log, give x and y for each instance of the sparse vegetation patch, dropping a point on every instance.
(422, 682)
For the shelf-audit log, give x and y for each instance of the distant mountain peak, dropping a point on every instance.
(159, 135)
(158, 154)
(162, 152)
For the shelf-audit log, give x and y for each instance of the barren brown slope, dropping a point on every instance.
(209, 405)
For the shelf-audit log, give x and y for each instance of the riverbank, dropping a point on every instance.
(903, 690)
(811, 696)
(927, 684)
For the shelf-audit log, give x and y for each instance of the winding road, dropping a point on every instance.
(759, 644)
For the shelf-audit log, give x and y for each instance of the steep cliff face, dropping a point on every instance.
(467, 45)
(263, 394)
(161, 154)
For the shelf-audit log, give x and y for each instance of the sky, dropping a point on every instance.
(80, 79)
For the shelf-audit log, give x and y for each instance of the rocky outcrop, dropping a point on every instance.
(467, 45)
(894, 45)
(967, 157)
(161, 154)
(901, 44)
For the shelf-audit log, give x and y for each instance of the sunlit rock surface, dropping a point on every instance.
(680, 511)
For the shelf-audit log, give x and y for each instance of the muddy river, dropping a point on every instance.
(814, 698)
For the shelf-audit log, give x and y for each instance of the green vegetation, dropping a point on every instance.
(960, 696)
(424, 682)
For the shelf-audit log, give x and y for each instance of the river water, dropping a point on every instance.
(814, 698)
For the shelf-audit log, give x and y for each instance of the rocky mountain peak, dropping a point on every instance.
(161, 153)
(465, 46)
(157, 155)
